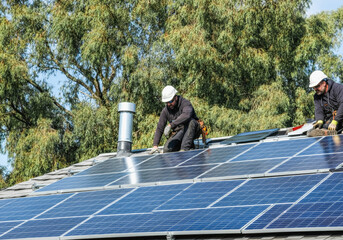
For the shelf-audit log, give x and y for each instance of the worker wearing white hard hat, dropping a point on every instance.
(178, 122)
(328, 102)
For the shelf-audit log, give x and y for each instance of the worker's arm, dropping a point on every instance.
(338, 91)
(185, 116)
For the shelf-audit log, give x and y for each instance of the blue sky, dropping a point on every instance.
(316, 7)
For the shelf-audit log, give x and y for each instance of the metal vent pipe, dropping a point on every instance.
(126, 111)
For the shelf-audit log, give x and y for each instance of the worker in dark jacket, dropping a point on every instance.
(328, 102)
(178, 121)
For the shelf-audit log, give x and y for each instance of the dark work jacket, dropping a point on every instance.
(330, 101)
(180, 115)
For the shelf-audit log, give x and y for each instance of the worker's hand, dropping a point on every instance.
(318, 124)
(167, 130)
(154, 150)
(333, 125)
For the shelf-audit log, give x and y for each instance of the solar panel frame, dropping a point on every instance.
(250, 136)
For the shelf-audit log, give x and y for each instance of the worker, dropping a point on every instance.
(178, 121)
(328, 102)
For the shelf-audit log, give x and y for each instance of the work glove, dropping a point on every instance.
(318, 124)
(167, 130)
(154, 150)
(333, 125)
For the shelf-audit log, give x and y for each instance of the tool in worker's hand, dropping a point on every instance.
(167, 130)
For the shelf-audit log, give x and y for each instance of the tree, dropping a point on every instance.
(243, 63)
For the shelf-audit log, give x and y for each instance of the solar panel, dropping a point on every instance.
(27, 208)
(329, 144)
(166, 221)
(166, 160)
(271, 190)
(310, 215)
(6, 226)
(200, 195)
(86, 181)
(217, 155)
(269, 216)
(43, 228)
(144, 199)
(276, 149)
(250, 136)
(331, 190)
(168, 174)
(85, 203)
(243, 168)
(114, 165)
(302, 163)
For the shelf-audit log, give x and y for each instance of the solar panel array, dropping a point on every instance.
(296, 186)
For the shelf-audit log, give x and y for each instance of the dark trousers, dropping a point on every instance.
(184, 138)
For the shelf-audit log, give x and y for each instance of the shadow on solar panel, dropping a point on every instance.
(250, 136)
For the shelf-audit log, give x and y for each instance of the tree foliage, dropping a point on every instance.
(244, 64)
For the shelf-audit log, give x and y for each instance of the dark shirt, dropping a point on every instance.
(180, 115)
(326, 103)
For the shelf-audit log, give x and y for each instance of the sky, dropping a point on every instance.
(316, 7)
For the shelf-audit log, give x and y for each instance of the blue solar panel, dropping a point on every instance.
(329, 144)
(144, 199)
(167, 160)
(189, 220)
(87, 181)
(168, 174)
(217, 155)
(276, 149)
(311, 215)
(331, 190)
(301, 163)
(114, 165)
(268, 216)
(243, 168)
(43, 228)
(27, 208)
(200, 195)
(5, 226)
(85, 204)
(271, 190)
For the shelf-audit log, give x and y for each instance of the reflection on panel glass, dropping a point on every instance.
(168, 174)
(166, 160)
(243, 168)
(329, 144)
(313, 162)
(250, 136)
(217, 155)
(87, 181)
(115, 165)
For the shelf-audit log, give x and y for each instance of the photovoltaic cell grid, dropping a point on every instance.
(199, 206)
(275, 199)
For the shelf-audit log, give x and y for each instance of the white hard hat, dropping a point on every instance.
(168, 93)
(316, 77)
